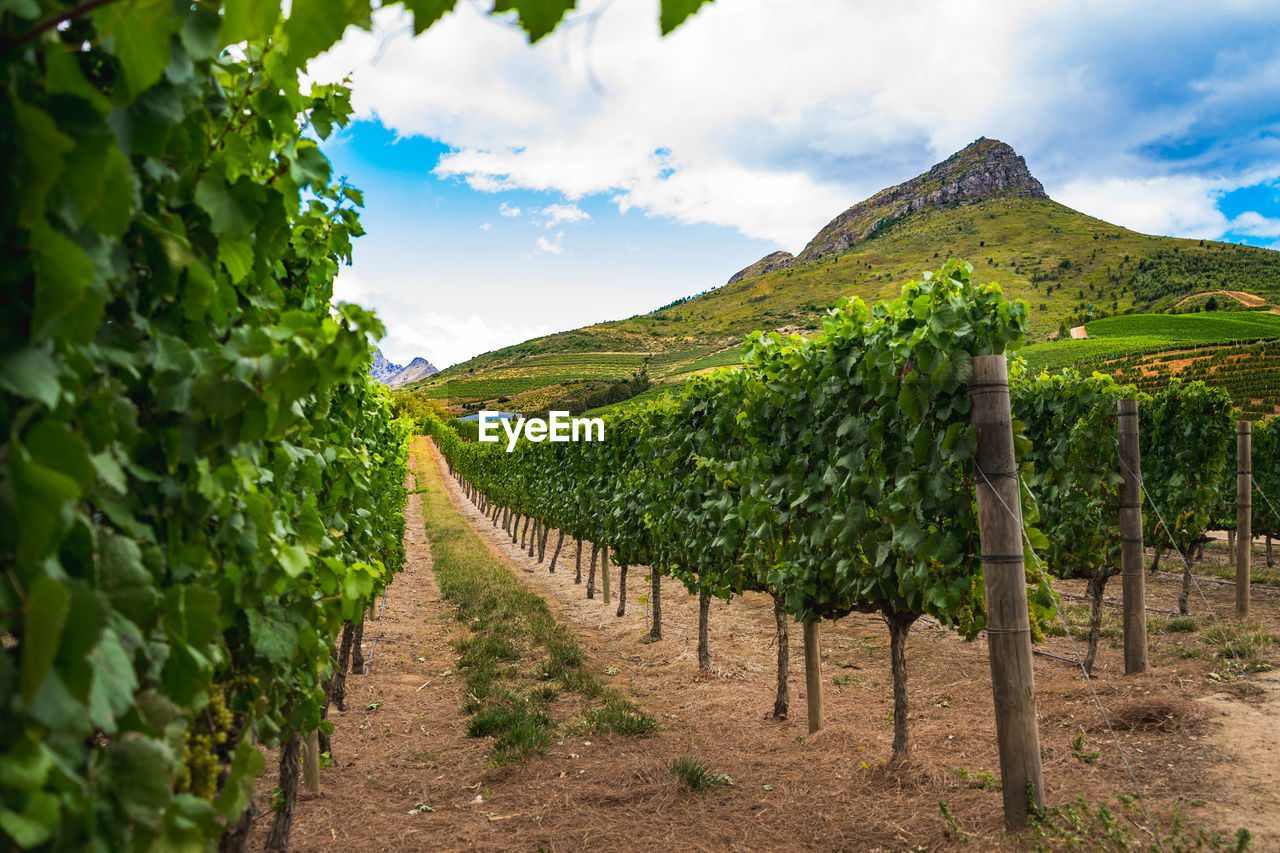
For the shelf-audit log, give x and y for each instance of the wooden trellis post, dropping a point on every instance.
(1244, 515)
(1132, 570)
(813, 674)
(1008, 621)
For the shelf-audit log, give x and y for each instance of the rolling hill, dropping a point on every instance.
(981, 205)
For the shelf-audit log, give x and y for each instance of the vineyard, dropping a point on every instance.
(537, 382)
(1250, 373)
(778, 479)
(249, 602)
(1172, 329)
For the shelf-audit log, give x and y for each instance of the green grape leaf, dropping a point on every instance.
(44, 147)
(139, 770)
(35, 824)
(139, 30)
(237, 791)
(275, 640)
(31, 373)
(57, 448)
(537, 17)
(63, 274)
(249, 19)
(427, 12)
(294, 560)
(676, 12)
(46, 615)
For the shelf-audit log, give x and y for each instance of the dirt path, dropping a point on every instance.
(1249, 299)
(789, 791)
(951, 720)
(411, 747)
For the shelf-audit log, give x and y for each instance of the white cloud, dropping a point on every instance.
(1255, 225)
(486, 226)
(1179, 206)
(507, 210)
(347, 287)
(555, 248)
(855, 97)
(557, 213)
(445, 339)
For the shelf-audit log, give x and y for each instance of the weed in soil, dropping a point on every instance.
(1076, 826)
(619, 716)
(1245, 645)
(697, 775)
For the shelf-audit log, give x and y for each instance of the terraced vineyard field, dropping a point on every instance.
(725, 358)
(1198, 328)
(1137, 335)
(1250, 373)
(536, 382)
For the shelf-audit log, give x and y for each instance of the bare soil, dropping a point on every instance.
(1191, 733)
(1251, 300)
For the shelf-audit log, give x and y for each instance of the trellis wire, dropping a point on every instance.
(368, 662)
(1079, 660)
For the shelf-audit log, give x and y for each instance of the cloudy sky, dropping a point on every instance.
(513, 190)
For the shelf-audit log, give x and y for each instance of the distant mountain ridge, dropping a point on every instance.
(394, 375)
(981, 205)
(986, 168)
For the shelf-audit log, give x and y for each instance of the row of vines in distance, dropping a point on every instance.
(836, 475)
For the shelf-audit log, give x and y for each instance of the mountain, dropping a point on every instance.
(985, 169)
(981, 205)
(382, 370)
(394, 375)
(414, 371)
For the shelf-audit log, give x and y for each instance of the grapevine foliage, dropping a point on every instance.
(1071, 422)
(198, 483)
(834, 473)
(1266, 475)
(1188, 437)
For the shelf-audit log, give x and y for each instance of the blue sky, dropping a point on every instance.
(514, 190)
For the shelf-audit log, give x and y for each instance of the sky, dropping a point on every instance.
(514, 190)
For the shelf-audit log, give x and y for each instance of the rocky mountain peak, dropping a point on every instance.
(985, 168)
(395, 375)
(769, 263)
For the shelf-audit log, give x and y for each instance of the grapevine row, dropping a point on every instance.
(836, 475)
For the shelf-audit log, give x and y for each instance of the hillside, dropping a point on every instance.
(981, 205)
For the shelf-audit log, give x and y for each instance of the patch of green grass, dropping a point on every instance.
(620, 716)
(520, 726)
(582, 682)
(1246, 645)
(697, 775)
(504, 624)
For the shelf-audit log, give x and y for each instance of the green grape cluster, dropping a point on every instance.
(204, 745)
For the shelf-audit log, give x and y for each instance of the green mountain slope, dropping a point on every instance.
(980, 205)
